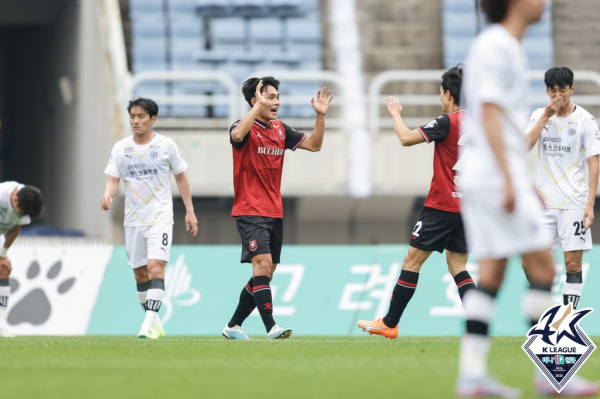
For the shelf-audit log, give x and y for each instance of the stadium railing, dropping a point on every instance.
(236, 104)
(376, 95)
(229, 99)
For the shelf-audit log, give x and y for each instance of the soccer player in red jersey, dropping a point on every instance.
(440, 225)
(259, 142)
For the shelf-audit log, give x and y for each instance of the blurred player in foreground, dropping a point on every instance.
(440, 226)
(501, 210)
(18, 204)
(258, 143)
(145, 161)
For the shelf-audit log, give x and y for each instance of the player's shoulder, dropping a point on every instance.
(124, 142)
(583, 113)
(163, 141)
(537, 113)
(10, 185)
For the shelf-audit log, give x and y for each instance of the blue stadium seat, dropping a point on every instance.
(148, 65)
(458, 6)
(188, 111)
(140, 8)
(249, 8)
(287, 8)
(303, 30)
(303, 37)
(212, 58)
(184, 54)
(181, 7)
(455, 50)
(459, 24)
(186, 28)
(213, 8)
(151, 89)
(149, 55)
(266, 34)
(148, 28)
(286, 59)
(227, 34)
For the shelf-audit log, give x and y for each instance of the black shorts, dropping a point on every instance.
(437, 230)
(260, 235)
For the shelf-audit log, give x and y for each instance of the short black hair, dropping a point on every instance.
(249, 86)
(150, 106)
(558, 76)
(495, 10)
(29, 200)
(452, 80)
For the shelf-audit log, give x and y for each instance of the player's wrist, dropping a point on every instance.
(3, 252)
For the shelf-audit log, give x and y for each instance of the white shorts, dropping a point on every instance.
(492, 233)
(565, 227)
(148, 242)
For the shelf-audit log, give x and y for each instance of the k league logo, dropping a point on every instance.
(557, 345)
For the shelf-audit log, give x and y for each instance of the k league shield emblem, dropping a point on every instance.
(557, 345)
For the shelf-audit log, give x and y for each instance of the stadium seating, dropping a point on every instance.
(182, 7)
(238, 37)
(145, 7)
(460, 24)
(249, 8)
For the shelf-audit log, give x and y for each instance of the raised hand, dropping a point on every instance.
(393, 106)
(554, 105)
(321, 104)
(260, 99)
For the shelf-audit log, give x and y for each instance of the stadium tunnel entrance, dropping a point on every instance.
(56, 129)
(28, 45)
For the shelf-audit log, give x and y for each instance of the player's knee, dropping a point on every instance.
(411, 264)
(263, 267)
(573, 266)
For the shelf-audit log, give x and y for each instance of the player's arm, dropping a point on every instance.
(492, 124)
(406, 136)
(314, 141)
(588, 212)
(112, 184)
(9, 238)
(183, 184)
(243, 128)
(550, 109)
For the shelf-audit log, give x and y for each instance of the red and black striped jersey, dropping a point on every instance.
(445, 132)
(257, 168)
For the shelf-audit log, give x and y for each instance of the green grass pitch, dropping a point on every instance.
(213, 367)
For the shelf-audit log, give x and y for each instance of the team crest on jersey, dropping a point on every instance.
(572, 129)
(431, 124)
(252, 245)
(557, 345)
(280, 132)
(153, 154)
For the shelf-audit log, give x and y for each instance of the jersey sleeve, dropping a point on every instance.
(241, 143)
(112, 169)
(533, 120)
(293, 138)
(178, 164)
(591, 137)
(436, 130)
